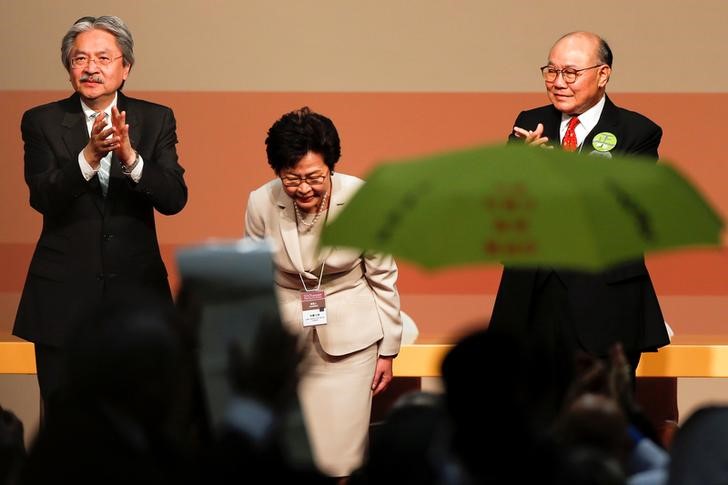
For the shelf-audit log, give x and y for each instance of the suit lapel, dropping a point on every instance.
(133, 119)
(134, 122)
(338, 199)
(289, 229)
(552, 127)
(75, 137)
(74, 133)
(608, 121)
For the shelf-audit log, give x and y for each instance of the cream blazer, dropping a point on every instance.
(362, 302)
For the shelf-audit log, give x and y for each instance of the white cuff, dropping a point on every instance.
(86, 169)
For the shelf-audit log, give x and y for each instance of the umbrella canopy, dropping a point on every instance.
(519, 205)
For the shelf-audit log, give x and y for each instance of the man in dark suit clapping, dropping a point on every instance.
(563, 311)
(97, 165)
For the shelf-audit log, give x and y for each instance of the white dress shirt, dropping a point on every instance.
(86, 169)
(587, 121)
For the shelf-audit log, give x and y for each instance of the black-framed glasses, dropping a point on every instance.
(569, 74)
(83, 61)
(310, 180)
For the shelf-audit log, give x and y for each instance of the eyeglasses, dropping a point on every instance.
(310, 180)
(83, 61)
(569, 74)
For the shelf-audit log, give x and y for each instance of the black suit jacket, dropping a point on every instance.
(618, 304)
(92, 247)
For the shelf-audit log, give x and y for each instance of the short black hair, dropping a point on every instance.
(299, 132)
(604, 53)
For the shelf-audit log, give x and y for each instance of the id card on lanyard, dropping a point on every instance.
(313, 303)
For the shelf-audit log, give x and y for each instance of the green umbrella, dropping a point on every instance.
(523, 206)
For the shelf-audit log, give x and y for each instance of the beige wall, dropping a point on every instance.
(392, 75)
(379, 45)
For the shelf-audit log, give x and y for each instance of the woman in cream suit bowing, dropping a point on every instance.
(343, 303)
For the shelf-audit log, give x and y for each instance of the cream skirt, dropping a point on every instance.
(336, 399)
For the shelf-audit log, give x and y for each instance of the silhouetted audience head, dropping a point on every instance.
(492, 397)
(129, 355)
(407, 447)
(584, 465)
(269, 367)
(12, 446)
(611, 378)
(595, 421)
(699, 452)
(121, 417)
(496, 363)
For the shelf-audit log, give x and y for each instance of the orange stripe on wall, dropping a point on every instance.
(690, 272)
(222, 143)
(222, 147)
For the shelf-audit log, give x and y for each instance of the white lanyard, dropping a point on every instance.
(319, 280)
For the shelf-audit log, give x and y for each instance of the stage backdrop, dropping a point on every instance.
(399, 78)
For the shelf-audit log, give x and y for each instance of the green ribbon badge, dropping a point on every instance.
(604, 141)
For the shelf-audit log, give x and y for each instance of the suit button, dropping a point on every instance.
(100, 276)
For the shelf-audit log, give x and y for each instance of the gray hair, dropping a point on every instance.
(111, 24)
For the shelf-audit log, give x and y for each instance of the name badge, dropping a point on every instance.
(313, 306)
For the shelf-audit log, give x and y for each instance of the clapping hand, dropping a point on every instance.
(122, 147)
(100, 142)
(532, 137)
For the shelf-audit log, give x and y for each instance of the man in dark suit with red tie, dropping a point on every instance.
(563, 311)
(98, 164)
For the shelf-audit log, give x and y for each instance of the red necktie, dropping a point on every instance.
(569, 142)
